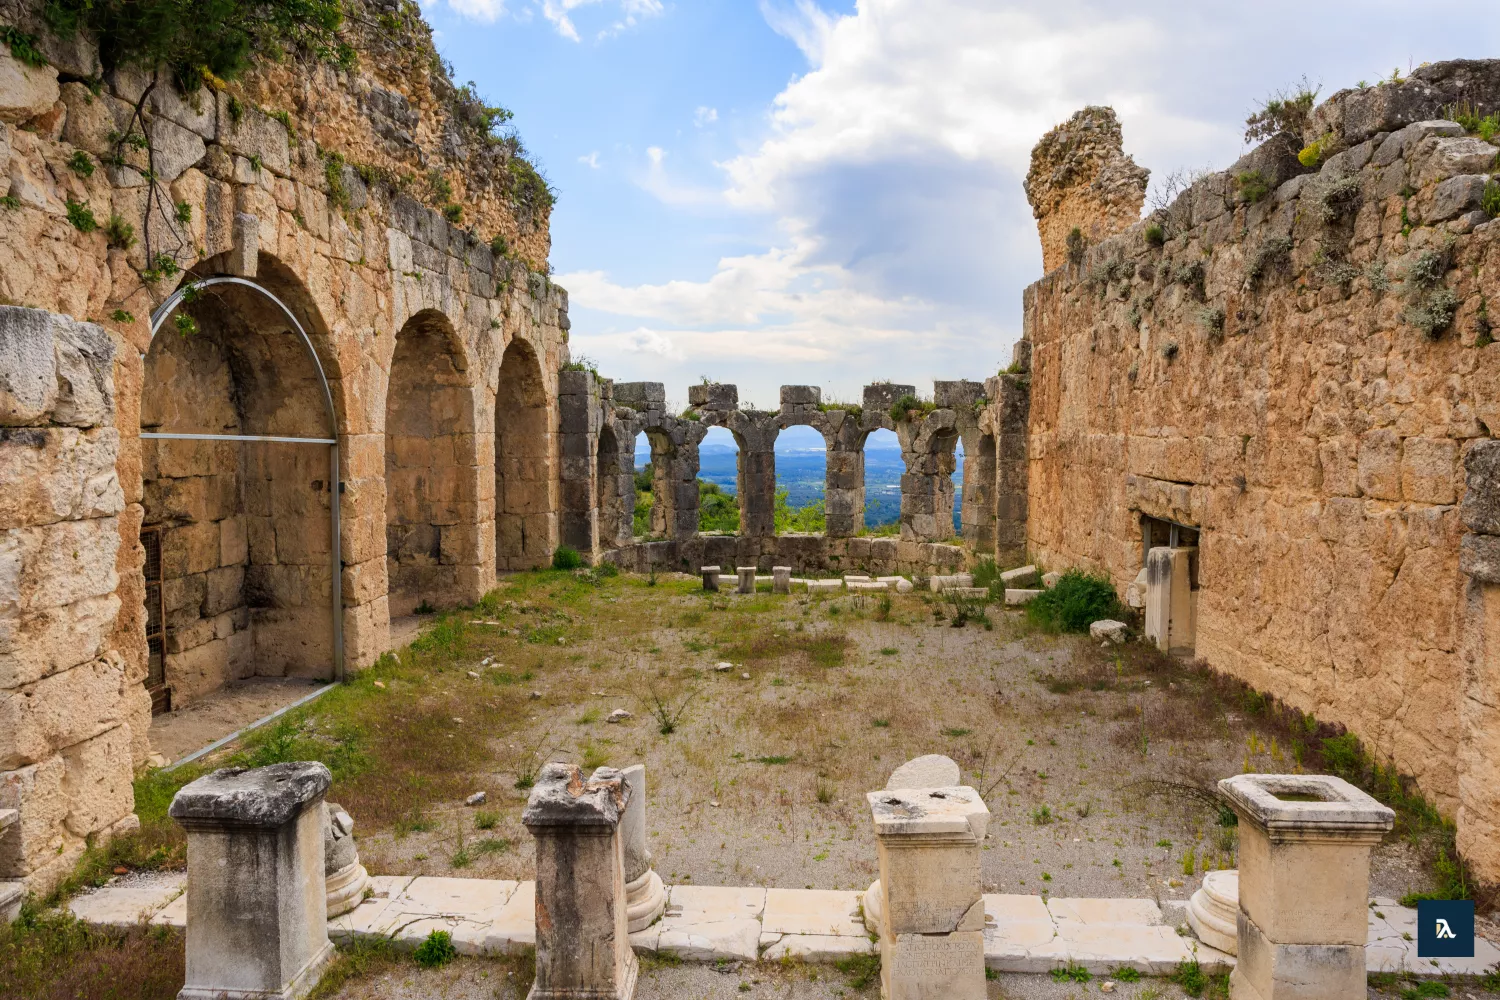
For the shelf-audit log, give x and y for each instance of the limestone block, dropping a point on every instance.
(35, 643)
(89, 121)
(1015, 595)
(54, 565)
(257, 921)
(711, 578)
(58, 473)
(59, 711)
(781, 579)
(25, 91)
(175, 149)
(1379, 464)
(1481, 500)
(1438, 158)
(1275, 971)
(1019, 577)
(98, 781)
(36, 792)
(254, 134)
(922, 966)
(54, 369)
(746, 579)
(1428, 470)
(1109, 630)
(1479, 557)
(713, 396)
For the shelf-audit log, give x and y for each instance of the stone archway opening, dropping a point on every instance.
(720, 460)
(947, 457)
(524, 516)
(801, 480)
(654, 512)
(239, 504)
(431, 510)
(610, 498)
(884, 470)
(977, 521)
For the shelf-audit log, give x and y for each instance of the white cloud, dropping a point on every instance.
(705, 116)
(591, 160)
(476, 10)
(631, 11)
(669, 190)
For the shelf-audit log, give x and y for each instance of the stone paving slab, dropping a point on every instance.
(1026, 934)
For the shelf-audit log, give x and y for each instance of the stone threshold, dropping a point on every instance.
(746, 924)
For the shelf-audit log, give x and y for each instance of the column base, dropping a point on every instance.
(870, 906)
(645, 901)
(624, 990)
(1213, 911)
(345, 888)
(299, 986)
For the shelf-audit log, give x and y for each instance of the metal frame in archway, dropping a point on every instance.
(335, 486)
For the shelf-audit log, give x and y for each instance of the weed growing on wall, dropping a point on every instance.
(1286, 111)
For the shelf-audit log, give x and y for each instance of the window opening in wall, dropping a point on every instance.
(978, 501)
(156, 617)
(1171, 580)
(884, 468)
(1156, 533)
(523, 463)
(718, 483)
(958, 487)
(801, 480)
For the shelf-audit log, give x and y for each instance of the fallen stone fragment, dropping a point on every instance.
(1019, 596)
(536, 695)
(722, 667)
(1109, 630)
(380, 684)
(478, 798)
(1049, 580)
(474, 674)
(1019, 577)
(618, 715)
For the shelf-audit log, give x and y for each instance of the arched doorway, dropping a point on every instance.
(610, 499)
(239, 461)
(884, 469)
(431, 470)
(525, 522)
(719, 475)
(801, 480)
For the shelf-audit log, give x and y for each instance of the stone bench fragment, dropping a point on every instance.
(1049, 580)
(855, 578)
(867, 587)
(1019, 577)
(781, 579)
(582, 937)
(746, 580)
(1013, 596)
(1304, 880)
(710, 578)
(1109, 630)
(937, 584)
(970, 593)
(257, 919)
(824, 586)
(899, 584)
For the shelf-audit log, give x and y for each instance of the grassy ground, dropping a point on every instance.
(1097, 763)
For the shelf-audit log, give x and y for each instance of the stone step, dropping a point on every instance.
(735, 923)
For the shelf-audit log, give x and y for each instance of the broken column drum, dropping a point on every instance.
(930, 910)
(257, 926)
(1304, 880)
(345, 879)
(582, 941)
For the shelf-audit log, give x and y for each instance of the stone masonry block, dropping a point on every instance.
(800, 395)
(714, 396)
(54, 369)
(879, 397)
(1481, 500)
(640, 395)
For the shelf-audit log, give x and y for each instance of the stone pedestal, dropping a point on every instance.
(344, 878)
(1213, 911)
(927, 903)
(1304, 879)
(1171, 609)
(257, 926)
(711, 578)
(781, 579)
(645, 896)
(746, 579)
(582, 944)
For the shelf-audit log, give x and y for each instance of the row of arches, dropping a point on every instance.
(242, 402)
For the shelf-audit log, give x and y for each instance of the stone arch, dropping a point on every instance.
(525, 516)
(816, 421)
(242, 531)
(609, 497)
(868, 514)
(980, 471)
(433, 545)
(716, 511)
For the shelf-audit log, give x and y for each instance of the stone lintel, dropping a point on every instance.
(801, 395)
(714, 396)
(262, 796)
(955, 812)
(879, 397)
(561, 797)
(640, 395)
(958, 394)
(1325, 808)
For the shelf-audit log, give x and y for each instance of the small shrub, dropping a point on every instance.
(1252, 186)
(82, 217)
(1125, 974)
(1273, 254)
(1190, 976)
(23, 47)
(1287, 110)
(1434, 312)
(859, 970)
(453, 212)
(1077, 601)
(122, 316)
(1041, 815)
(566, 557)
(902, 408)
(436, 951)
(1072, 972)
(183, 212)
(119, 233)
(1169, 350)
(1193, 276)
(486, 819)
(185, 324)
(1336, 198)
(81, 163)
(1212, 321)
(1076, 246)
(1315, 152)
(1490, 200)
(498, 245)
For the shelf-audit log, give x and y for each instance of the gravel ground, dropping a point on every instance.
(1088, 762)
(176, 734)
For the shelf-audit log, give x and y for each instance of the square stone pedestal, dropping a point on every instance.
(1304, 881)
(257, 926)
(931, 914)
(582, 941)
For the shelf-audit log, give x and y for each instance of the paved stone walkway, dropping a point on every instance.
(710, 923)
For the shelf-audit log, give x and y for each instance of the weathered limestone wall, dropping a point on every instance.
(72, 709)
(441, 356)
(1301, 378)
(1479, 651)
(1080, 178)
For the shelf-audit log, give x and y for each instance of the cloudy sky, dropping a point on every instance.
(830, 193)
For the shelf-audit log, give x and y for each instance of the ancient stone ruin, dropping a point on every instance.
(292, 365)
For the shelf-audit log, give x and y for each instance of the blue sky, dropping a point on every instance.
(830, 193)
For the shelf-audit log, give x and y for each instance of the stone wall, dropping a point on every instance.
(1297, 362)
(72, 709)
(440, 341)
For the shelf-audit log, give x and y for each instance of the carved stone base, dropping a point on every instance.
(346, 887)
(1213, 911)
(871, 908)
(645, 901)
